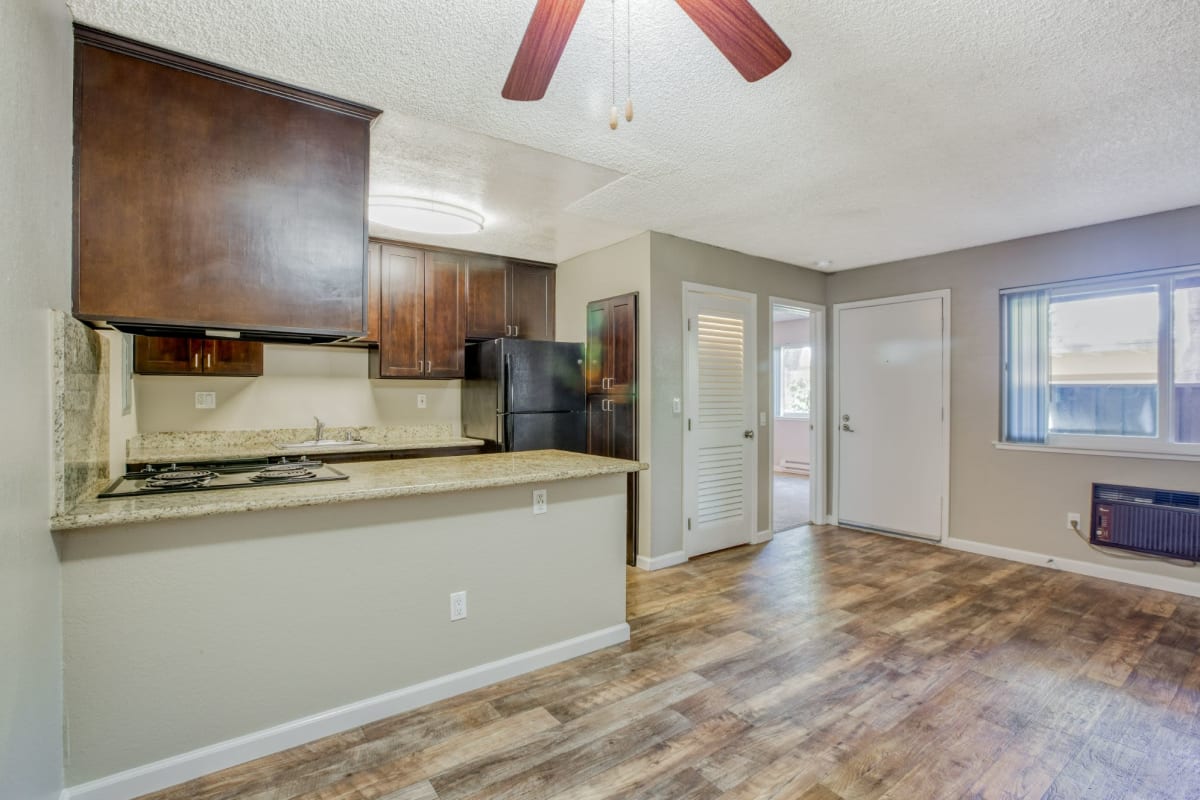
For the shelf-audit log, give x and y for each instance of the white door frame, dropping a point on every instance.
(753, 356)
(816, 415)
(835, 404)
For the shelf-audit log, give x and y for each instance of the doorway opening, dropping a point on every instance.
(797, 336)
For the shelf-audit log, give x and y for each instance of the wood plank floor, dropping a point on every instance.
(826, 664)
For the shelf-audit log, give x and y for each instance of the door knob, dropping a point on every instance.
(748, 434)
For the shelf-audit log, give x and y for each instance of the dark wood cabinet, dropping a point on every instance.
(612, 345)
(170, 355)
(209, 198)
(422, 326)
(611, 372)
(509, 298)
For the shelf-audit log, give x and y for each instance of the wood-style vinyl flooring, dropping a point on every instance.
(825, 664)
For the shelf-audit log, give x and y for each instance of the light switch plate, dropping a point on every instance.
(762, 419)
(206, 400)
(676, 405)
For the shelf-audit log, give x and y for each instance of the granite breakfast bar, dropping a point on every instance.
(214, 627)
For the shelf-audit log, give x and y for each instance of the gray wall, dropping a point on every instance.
(35, 264)
(674, 261)
(1020, 499)
(186, 633)
(617, 269)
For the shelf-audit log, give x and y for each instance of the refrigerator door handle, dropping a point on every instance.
(508, 382)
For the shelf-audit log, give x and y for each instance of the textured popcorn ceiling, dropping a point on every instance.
(897, 129)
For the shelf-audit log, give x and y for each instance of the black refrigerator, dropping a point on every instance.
(525, 395)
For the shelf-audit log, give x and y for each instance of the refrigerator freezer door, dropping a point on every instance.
(543, 376)
(559, 430)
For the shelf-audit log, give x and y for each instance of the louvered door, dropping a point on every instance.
(720, 448)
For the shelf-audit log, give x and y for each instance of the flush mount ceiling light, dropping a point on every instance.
(423, 216)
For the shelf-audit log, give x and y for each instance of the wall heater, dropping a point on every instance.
(1154, 521)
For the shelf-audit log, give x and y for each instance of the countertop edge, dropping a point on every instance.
(71, 521)
(150, 456)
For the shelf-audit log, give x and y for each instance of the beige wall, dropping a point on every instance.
(187, 633)
(35, 265)
(674, 261)
(1019, 499)
(298, 383)
(618, 269)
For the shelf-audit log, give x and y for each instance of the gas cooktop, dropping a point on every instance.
(228, 475)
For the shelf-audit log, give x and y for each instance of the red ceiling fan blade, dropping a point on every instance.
(545, 38)
(740, 34)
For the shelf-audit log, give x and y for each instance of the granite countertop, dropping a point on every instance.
(194, 446)
(369, 480)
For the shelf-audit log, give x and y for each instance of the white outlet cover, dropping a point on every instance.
(206, 400)
(422, 401)
(676, 405)
(762, 419)
(458, 606)
(540, 502)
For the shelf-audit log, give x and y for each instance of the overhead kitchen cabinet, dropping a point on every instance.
(422, 324)
(509, 298)
(172, 355)
(206, 198)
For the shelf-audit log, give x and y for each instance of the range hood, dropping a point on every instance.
(193, 332)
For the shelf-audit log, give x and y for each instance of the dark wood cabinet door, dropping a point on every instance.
(531, 304)
(401, 313)
(374, 292)
(622, 412)
(599, 426)
(623, 365)
(233, 357)
(445, 318)
(208, 198)
(487, 298)
(167, 355)
(598, 346)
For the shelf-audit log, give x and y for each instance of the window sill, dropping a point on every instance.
(781, 418)
(1080, 451)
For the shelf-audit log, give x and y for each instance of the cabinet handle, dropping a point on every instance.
(516, 330)
(196, 361)
(208, 360)
(508, 330)
(428, 367)
(421, 367)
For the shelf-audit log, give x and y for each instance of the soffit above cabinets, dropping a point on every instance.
(895, 130)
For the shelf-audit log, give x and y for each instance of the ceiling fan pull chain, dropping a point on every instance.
(612, 112)
(628, 64)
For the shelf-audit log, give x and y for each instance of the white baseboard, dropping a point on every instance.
(1112, 573)
(186, 766)
(661, 562)
(762, 536)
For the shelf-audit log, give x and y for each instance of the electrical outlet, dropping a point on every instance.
(422, 401)
(458, 606)
(206, 400)
(539, 501)
(1073, 521)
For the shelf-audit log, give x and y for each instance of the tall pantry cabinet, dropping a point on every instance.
(611, 380)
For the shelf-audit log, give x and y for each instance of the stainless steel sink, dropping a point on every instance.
(324, 443)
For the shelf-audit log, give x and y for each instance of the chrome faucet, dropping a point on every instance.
(320, 428)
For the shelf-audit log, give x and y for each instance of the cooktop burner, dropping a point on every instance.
(230, 475)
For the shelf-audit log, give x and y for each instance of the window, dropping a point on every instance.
(1105, 364)
(793, 379)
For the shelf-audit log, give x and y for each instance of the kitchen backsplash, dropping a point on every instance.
(80, 393)
(298, 383)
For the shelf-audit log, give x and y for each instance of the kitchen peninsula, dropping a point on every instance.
(266, 617)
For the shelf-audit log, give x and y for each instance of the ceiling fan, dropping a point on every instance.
(734, 27)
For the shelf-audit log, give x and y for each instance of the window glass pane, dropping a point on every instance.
(1104, 363)
(794, 380)
(1187, 360)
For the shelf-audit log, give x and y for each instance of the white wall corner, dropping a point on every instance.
(205, 760)
(1105, 571)
(661, 562)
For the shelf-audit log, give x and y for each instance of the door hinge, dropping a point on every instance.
(689, 523)
(689, 423)
(689, 323)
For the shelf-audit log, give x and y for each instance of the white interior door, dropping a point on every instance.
(720, 451)
(892, 374)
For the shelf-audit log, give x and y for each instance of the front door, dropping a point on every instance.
(892, 373)
(720, 451)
